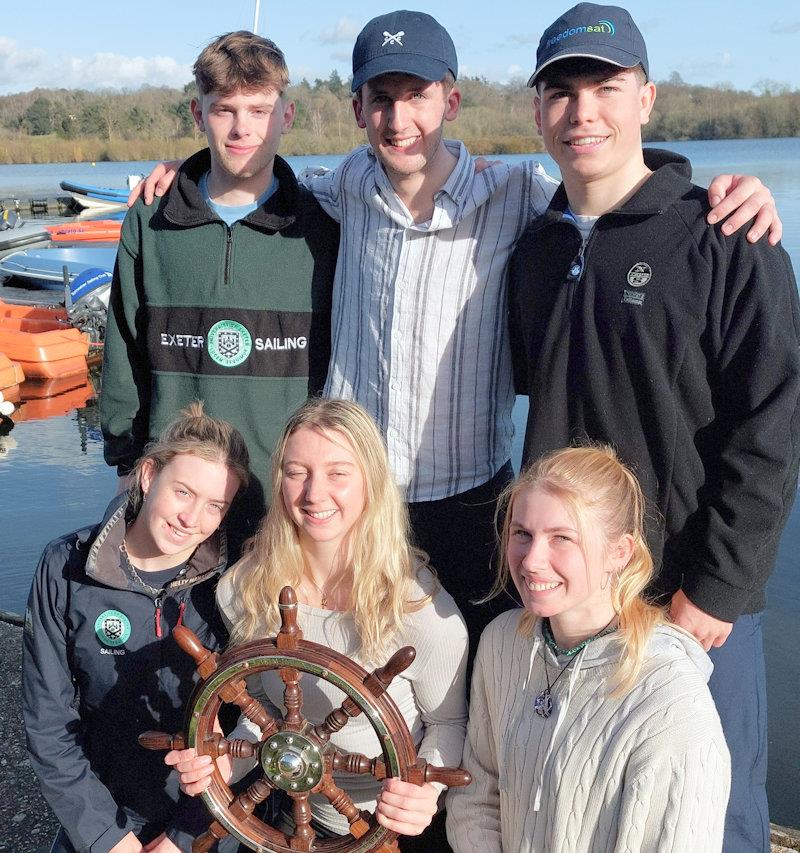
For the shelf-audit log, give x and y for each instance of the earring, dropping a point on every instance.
(604, 584)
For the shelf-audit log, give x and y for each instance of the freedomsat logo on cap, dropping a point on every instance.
(607, 33)
(403, 42)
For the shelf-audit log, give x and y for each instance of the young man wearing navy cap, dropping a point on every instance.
(634, 322)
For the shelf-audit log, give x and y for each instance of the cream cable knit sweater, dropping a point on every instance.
(430, 694)
(648, 772)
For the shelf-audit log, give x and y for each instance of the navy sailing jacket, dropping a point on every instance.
(96, 674)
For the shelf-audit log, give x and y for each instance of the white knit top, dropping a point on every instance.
(430, 694)
(647, 772)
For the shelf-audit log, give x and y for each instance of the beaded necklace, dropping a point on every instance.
(543, 704)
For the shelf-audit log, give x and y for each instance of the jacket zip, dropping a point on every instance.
(158, 602)
(228, 253)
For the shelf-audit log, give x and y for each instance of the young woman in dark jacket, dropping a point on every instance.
(100, 665)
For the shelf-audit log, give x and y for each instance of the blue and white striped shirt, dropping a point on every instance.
(419, 332)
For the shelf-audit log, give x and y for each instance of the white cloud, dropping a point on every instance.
(704, 69)
(523, 39)
(23, 70)
(344, 32)
(783, 27)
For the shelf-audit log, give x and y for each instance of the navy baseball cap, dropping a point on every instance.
(607, 33)
(404, 42)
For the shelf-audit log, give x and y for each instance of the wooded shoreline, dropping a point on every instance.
(68, 125)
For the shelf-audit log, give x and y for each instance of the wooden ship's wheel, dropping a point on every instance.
(295, 755)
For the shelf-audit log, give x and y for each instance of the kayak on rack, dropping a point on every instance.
(101, 193)
(105, 230)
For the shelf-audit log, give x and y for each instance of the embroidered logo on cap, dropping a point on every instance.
(639, 274)
(388, 38)
(113, 628)
(229, 343)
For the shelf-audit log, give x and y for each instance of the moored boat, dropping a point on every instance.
(11, 375)
(29, 234)
(45, 353)
(101, 193)
(45, 267)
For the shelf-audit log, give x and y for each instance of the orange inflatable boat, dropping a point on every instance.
(42, 342)
(11, 375)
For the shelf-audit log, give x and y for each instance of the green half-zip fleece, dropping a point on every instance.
(238, 317)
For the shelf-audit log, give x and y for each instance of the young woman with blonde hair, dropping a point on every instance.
(591, 725)
(100, 665)
(337, 531)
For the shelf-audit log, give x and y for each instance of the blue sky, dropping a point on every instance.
(127, 43)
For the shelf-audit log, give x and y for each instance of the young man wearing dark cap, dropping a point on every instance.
(634, 322)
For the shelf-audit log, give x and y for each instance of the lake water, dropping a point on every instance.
(53, 478)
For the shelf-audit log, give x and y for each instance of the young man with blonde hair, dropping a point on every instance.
(222, 290)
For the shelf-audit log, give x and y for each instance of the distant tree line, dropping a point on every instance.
(154, 123)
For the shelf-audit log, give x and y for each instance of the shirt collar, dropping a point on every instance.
(459, 195)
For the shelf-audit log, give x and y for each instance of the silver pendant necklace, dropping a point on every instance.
(543, 703)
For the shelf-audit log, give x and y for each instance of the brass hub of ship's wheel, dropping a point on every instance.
(291, 762)
(296, 756)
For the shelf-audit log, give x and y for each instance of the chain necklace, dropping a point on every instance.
(323, 596)
(151, 590)
(543, 704)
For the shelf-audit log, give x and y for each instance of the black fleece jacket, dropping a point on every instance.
(679, 347)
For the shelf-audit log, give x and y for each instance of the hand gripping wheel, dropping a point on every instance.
(295, 755)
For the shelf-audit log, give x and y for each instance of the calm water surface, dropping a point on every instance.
(53, 479)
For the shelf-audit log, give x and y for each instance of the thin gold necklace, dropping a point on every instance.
(323, 596)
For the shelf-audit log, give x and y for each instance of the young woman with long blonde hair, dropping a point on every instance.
(591, 725)
(337, 531)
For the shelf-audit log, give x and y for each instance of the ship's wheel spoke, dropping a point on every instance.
(356, 762)
(304, 835)
(343, 804)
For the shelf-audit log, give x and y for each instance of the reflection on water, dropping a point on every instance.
(52, 480)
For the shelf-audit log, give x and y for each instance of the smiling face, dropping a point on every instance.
(591, 125)
(243, 129)
(184, 503)
(404, 116)
(322, 486)
(557, 575)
